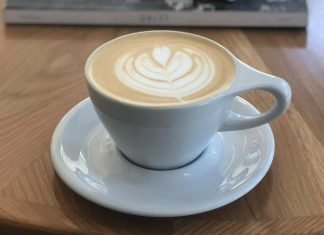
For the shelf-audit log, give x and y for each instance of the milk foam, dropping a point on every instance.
(165, 72)
(160, 68)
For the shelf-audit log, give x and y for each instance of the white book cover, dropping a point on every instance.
(250, 13)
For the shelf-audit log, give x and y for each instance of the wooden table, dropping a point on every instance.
(41, 71)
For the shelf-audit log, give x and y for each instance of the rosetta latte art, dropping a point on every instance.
(164, 72)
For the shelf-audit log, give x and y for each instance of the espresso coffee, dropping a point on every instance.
(160, 68)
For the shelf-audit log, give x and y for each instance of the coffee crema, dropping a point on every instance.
(160, 68)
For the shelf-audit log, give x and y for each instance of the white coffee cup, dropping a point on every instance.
(172, 136)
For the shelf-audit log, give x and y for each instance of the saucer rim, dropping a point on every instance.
(204, 207)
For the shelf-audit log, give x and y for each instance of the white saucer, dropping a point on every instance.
(86, 159)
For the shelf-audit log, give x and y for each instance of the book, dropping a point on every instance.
(234, 13)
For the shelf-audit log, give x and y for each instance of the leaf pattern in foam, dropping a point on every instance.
(166, 73)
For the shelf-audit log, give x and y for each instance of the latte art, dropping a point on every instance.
(160, 68)
(166, 72)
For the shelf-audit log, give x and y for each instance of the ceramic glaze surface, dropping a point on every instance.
(87, 160)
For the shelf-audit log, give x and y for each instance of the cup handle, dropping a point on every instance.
(250, 79)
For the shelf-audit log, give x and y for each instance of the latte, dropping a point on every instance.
(160, 68)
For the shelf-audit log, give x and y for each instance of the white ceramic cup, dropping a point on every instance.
(171, 137)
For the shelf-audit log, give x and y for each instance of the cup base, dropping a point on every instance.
(161, 169)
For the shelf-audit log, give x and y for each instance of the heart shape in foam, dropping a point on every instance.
(165, 72)
(161, 54)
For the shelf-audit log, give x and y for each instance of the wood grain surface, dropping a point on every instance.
(41, 71)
